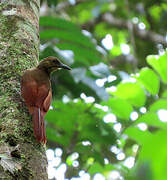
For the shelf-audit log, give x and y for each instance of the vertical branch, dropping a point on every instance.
(21, 157)
(132, 36)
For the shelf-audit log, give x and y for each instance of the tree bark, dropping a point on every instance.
(21, 157)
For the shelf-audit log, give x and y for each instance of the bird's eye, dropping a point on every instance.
(56, 62)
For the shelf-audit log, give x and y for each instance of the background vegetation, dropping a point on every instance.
(108, 117)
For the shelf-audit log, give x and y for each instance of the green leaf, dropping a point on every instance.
(82, 54)
(151, 118)
(49, 21)
(136, 134)
(96, 167)
(67, 35)
(150, 80)
(159, 63)
(70, 37)
(154, 150)
(132, 92)
(160, 104)
(64, 124)
(164, 94)
(120, 107)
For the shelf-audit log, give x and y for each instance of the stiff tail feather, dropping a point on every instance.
(39, 125)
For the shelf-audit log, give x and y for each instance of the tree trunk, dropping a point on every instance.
(21, 157)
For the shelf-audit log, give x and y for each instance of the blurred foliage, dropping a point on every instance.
(111, 108)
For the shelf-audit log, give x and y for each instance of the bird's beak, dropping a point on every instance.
(64, 66)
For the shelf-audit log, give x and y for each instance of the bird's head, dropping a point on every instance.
(51, 64)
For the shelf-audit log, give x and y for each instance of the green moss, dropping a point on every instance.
(19, 48)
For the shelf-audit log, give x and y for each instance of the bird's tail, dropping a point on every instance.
(39, 125)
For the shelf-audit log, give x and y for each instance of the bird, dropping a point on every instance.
(37, 93)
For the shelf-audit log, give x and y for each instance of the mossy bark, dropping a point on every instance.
(21, 157)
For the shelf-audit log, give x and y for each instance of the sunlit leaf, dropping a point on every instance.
(153, 151)
(151, 118)
(159, 63)
(132, 92)
(160, 104)
(138, 135)
(150, 80)
(120, 107)
(164, 94)
(96, 167)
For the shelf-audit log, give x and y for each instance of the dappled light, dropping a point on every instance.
(107, 42)
(120, 156)
(117, 127)
(110, 110)
(162, 113)
(98, 176)
(141, 26)
(110, 118)
(55, 167)
(125, 49)
(143, 110)
(142, 126)
(83, 92)
(134, 115)
(129, 162)
(114, 175)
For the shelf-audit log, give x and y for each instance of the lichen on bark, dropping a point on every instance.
(21, 157)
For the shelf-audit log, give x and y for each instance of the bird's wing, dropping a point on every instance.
(34, 93)
(47, 101)
(29, 91)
